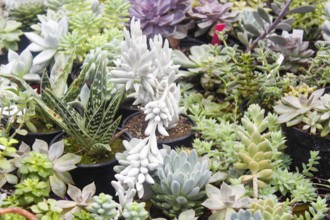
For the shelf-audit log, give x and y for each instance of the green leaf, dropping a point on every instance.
(303, 9)
(263, 14)
(243, 38)
(253, 30)
(277, 39)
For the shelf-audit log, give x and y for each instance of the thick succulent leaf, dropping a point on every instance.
(40, 146)
(57, 185)
(277, 39)
(56, 150)
(74, 193)
(44, 56)
(303, 9)
(263, 14)
(88, 192)
(180, 58)
(66, 162)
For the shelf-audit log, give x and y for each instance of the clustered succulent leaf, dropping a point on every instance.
(27, 13)
(225, 200)
(47, 210)
(152, 75)
(261, 148)
(272, 210)
(210, 12)
(294, 49)
(312, 111)
(103, 207)
(30, 191)
(10, 33)
(161, 17)
(180, 183)
(246, 215)
(134, 211)
(35, 165)
(115, 13)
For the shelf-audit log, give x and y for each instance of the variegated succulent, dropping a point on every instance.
(180, 183)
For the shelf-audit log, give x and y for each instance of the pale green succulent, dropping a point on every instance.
(312, 122)
(180, 182)
(85, 22)
(271, 210)
(134, 211)
(291, 109)
(115, 13)
(103, 207)
(326, 25)
(47, 210)
(225, 200)
(9, 34)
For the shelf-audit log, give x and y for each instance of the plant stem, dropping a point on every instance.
(272, 26)
(19, 211)
(255, 186)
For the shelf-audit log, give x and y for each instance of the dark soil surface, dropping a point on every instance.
(136, 127)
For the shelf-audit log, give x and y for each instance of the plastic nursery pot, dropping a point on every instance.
(300, 144)
(4, 58)
(30, 137)
(185, 140)
(101, 173)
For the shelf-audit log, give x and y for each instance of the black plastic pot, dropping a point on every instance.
(31, 136)
(185, 141)
(4, 58)
(101, 174)
(300, 144)
(125, 110)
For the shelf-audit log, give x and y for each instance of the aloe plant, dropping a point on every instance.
(94, 128)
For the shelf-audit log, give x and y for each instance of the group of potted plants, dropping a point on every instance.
(159, 109)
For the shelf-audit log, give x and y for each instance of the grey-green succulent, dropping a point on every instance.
(246, 215)
(134, 211)
(103, 207)
(326, 25)
(180, 183)
(47, 210)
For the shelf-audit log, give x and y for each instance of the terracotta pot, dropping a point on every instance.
(101, 174)
(185, 140)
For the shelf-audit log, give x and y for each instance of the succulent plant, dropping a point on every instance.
(103, 207)
(246, 215)
(6, 175)
(301, 89)
(295, 50)
(94, 128)
(35, 165)
(115, 13)
(31, 191)
(9, 32)
(48, 40)
(27, 13)
(20, 65)
(210, 12)
(225, 200)
(326, 25)
(292, 109)
(271, 210)
(258, 153)
(161, 17)
(180, 182)
(85, 22)
(82, 215)
(48, 163)
(47, 209)
(135, 210)
(154, 81)
(81, 199)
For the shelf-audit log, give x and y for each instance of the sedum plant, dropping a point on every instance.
(27, 13)
(164, 19)
(225, 200)
(9, 34)
(272, 210)
(103, 207)
(48, 164)
(115, 13)
(47, 210)
(262, 146)
(134, 211)
(180, 183)
(30, 191)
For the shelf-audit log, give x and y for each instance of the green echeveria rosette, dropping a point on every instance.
(103, 207)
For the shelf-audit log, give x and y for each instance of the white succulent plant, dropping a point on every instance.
(20, 65)
(151, 75)
(47, 41)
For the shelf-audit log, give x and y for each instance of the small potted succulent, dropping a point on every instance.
(154, 88)
(307, 126)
